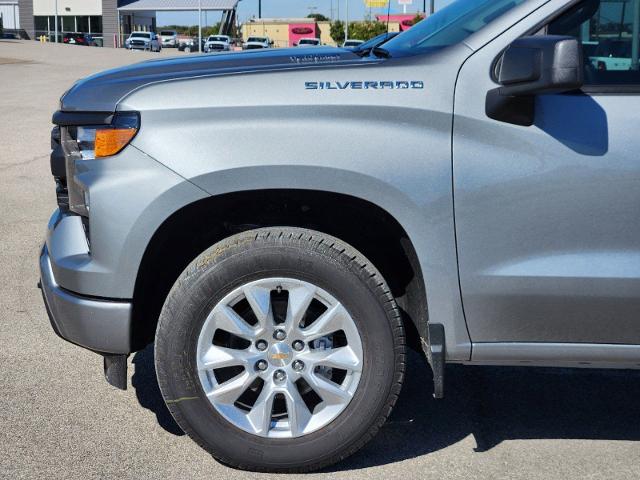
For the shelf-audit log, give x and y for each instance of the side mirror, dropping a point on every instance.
(532, 66)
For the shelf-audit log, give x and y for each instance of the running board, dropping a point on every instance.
(434, 348)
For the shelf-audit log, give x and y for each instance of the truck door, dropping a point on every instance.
(548, 216)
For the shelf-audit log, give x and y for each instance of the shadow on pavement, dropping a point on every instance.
(148, 392)
(491, 403)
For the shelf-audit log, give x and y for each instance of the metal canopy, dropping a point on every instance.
(176, 5)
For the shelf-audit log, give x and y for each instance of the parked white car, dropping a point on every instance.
(217, 43)
(169, 38)
(143, 41)
(254, 43)
(308, 42)
(351, 43)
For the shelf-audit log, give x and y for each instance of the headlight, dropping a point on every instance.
(94, 142)
(102, 141)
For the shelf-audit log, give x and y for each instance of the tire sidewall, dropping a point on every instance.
(213, 277)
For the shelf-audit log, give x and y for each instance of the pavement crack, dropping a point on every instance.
(7, 166)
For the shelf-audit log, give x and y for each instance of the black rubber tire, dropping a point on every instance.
(295, 253)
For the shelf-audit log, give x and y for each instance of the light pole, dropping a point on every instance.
(56, 20)
(432, 7)
(346, 21)
(199, 25)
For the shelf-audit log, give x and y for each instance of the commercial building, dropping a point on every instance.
(10, 13)
(110, 19)
(285, 32)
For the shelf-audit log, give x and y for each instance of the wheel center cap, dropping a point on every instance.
(280, 354)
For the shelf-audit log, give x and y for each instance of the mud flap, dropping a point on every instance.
(434, 348)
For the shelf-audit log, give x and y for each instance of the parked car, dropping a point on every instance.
(77, 39)
(191, 45)
(308, 42)
(352, 43)
(254, 43)
(97, 41)
(375, 42)
(143, 41)
(454, 192)
(169, 38)
(217, 43)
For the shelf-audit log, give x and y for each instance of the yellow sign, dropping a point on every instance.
(376, 3)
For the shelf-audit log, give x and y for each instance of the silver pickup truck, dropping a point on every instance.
(294, 219)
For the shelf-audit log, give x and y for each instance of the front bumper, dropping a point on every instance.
(100, 325)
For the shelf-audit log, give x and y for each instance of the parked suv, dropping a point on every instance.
(169, 38)
(477, 160)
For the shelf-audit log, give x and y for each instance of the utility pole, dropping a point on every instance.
(259, 8)
(635, 42)
(56, 20)
(432, 7)
(199, 25)
(346, 21)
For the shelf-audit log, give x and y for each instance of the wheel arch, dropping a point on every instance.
(364, 225)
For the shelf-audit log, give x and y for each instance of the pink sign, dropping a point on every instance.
(302, 30)
(405, 21)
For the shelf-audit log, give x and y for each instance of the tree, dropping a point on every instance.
(417, 19)
(318, 17)
(337, 31)
(366, 30)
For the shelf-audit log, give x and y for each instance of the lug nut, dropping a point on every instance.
(279, 376)
(261, 345)
(298, 345)
(261, 365)
(298, 365)
(279, 335)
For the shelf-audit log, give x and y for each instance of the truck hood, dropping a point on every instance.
(103, 91)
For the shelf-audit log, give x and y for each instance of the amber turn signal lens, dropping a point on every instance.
(110, 141)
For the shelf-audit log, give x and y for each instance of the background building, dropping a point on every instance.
(110, 19)
(285, 32)
(10, 13)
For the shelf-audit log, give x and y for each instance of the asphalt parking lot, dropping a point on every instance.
(60, 419)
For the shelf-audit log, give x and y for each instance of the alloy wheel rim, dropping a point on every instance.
(279, 357)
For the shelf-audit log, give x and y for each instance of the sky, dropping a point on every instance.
(291, 8)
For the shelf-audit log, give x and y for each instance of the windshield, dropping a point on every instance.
(167, 33)
(353, 43)
(256, 39)
(449, 26)
(218, 39)
(308, 41)
(140, 35)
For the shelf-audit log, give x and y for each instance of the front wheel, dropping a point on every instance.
(280, 349)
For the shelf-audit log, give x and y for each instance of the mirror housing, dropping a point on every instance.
(532, 66)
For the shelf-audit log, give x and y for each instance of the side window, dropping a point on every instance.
(610, 34)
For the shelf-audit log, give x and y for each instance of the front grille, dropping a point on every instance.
(216, 47)
(59, 169)
(254, 47)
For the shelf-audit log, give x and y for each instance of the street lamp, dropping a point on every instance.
(346, 21)
(56, 20)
